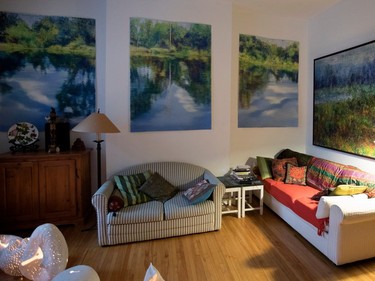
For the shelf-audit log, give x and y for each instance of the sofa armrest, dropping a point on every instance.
(351, 228)
(217, 196)
(100, 202)
(354, 212)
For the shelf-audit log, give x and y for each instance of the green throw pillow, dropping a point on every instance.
(158, 188)
(129, 187)
(346, 189)
(265, 167)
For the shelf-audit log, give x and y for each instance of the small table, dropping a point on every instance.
(244, 204)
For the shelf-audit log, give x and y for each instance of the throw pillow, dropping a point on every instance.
(129, 187)
(158, 188)
(115, 201)
(346, 189)
(265, 167)
(279, 167)
(295, 175)
(199, 192)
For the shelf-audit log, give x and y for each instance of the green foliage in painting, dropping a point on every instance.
(57, 35)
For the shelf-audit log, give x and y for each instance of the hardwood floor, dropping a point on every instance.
(252, 248)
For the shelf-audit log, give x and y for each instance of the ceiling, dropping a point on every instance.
(302, 9)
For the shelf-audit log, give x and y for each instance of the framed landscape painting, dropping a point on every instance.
(268, 82)
(46, 61)
(344, 101)
(170, 75)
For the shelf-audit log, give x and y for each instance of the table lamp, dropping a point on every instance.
(97, 123)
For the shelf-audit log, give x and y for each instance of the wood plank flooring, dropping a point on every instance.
(252, 248)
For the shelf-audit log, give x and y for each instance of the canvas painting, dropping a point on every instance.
(268, 82)
(46, 61)
(170, 74)
(344, 101)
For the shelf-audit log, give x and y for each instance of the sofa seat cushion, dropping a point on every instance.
(298, 199)
(147, 212)
(179, 207)
(287, 194)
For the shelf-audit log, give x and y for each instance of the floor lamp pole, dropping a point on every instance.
(99, 161)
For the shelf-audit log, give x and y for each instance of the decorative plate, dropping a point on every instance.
(23, 133)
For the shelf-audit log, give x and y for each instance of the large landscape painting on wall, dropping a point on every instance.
(170, 73)
(268, 82)
(344, 101)
(46, 61)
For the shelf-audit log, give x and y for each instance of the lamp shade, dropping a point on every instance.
(98, 123)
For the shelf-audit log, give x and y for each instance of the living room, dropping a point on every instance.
(342, 25)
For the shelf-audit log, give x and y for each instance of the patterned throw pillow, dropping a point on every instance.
(129, 187)
(199, 192)
(158, 188)
(279, 167)
(322, 173)
(295, 175)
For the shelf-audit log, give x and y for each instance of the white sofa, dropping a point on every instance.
(154, 219)
(341, 227)
(349, 236)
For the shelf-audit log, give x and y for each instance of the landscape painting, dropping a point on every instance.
(268, 82)
(344, 101)
(45, 62)
(170, 73)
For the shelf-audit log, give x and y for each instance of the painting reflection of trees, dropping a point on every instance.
(170, 73)
(46, 62)
(268, 82)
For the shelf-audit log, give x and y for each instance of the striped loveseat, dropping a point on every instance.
(153, 219)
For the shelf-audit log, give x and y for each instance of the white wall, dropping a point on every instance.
(208, 148)
(252, 142)
(347, 24)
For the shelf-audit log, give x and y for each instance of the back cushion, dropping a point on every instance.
(302, 159)
(322, 174)
(354, 176)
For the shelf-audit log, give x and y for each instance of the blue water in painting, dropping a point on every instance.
(29, 88)
(170, 96)
(275, 105)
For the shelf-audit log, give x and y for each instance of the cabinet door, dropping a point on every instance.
(18, 192)
(57, 189)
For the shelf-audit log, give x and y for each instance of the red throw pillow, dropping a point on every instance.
(279, 167)
(115, 201)
(295, 175)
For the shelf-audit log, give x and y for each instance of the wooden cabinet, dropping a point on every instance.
(37, 188)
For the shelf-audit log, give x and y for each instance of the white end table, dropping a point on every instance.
(234, 196)
(246, 203)
(239, 191)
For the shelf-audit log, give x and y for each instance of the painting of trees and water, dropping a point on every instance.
(170, 73)
(344, 101)
(46, 61)
(268, 82)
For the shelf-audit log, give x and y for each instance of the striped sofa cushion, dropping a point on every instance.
(354, 176)
(179, 207)
(147, 212)
(322, 173)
